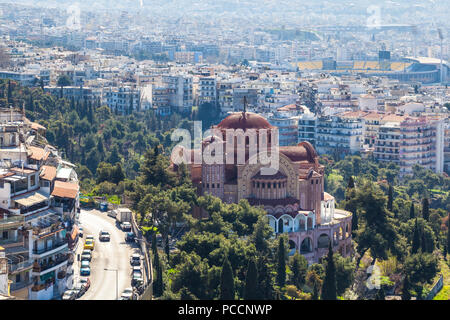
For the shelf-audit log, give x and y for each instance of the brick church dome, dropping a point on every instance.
(244, 121)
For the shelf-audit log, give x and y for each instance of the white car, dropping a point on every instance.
(127, 294)
(126, 226)
(104, 236)
(112, 213)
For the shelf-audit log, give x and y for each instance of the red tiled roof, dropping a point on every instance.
(48, 173)
(38, 153)
(65, 189)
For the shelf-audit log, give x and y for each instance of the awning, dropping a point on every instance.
(31, 198)
(65, 190)
(74, 233)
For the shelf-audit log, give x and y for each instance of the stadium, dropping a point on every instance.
(409, 69)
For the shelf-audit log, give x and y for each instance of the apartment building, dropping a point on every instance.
(307, 123)
(207, 90)
(124, 100)
(335, 134)
(39, 197)
(287, 128)
(410, 141)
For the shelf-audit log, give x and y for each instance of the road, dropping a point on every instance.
(114, 255)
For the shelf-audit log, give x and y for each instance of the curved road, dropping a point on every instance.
(114, 254)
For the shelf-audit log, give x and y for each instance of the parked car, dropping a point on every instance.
(70, 295)
(90, 237)
(104, 236)
(85, 284)
(135, 259)
(112, 213)
(127, 294)
(89, 244)
(126, 226)
(86, 252)
(137, 278)
(86, 257)
(80, 232)
(130, 237)
(85, 269)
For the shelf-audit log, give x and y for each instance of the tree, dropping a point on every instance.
(315, 295)
(329, 290)
(158, 287)
(63, 81)
(406, 295)
(421, 267)
(425, 209)
(351, 183)
(380, 294)
(265, 280)
(412, 214)
(251, 281)
(281, 265)
(226, 281)
(376, 230)
(390, 198)
(416, 239)
(354, 222)
(299, 267)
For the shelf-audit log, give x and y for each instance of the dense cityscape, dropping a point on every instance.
(224, 150)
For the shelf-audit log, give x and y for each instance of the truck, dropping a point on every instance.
(123, 215)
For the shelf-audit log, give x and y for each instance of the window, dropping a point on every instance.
(263, 185)
(212, 186)
(5, 235)
(33, 180)
(268, 185)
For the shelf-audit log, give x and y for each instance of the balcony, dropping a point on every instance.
(18, 267)
(20, 285)
(11, 222)
(47, 267)
(48, 250)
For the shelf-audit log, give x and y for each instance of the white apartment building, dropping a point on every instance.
(123, 99)
(335, 134)
(207, 90)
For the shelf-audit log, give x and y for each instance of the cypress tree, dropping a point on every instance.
(423, 243)
(167, 247)
(158, 286)
(281, 266)
(406, 295)
(380, 294)
(448, 232)
(251, 281)
(416, 239)
(265, 280)
(329, 291)
(351, 183)
(390, 198)
(354, 221)
(444, 253)
(425, 209)
(226, 281)
(315, 295)
(412, 214)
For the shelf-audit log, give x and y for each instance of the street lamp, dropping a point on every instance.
(117, 280)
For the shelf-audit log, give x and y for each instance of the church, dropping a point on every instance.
(293, 196)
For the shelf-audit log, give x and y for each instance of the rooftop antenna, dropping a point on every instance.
(441, 37)
(245, 107)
